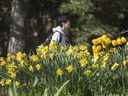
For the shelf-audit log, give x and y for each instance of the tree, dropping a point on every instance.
(98, 16)
(19, 12)
(4, 25)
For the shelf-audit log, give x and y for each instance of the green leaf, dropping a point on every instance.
(61, 88)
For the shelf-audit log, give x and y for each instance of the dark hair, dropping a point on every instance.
(63, 19)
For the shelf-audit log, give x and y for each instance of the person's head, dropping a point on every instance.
(64, 22)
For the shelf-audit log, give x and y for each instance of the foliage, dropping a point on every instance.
(98, 16)
(67, 70)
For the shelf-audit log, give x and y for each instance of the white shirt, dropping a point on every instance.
(58, 34)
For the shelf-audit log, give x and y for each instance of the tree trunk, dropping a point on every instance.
(17, 29)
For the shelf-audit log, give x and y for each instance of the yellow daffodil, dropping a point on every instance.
(53, 45)
(107, 41)
(17, 83)
(114, 43)
(2, 82)
(20, 56)
(2, 61)
(123, 40)
(8, 82)
(69, 52)
(38, 67)
(34, 58)
(88, 73)
(125, 62)
(42, 49)
(83, 47)
(96, 41)
(59, 72)
(11, 70)
(96, 66)
(127, 43)
(70, 68)
(83, 62)
(30, 68)
(10, 56)
(119, 41)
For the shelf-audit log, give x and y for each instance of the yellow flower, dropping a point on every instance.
(51, 55)
(12, 75)
(125, 62)
(59, 72)
(96, 41)
(2, 82)
(114, 43)
(34, 58)
(104, 45)
(123, 39)
(69, 52)
(88, 73)
(38, 67)
(10, 56)
(99, 47)
(83, 62)
(105, 58)
(95, 57)
(107, 41)
(127, 43)
(30, 68)
(42, 49)
(53, 45)
(119, 41)
(20, 56)
(8, 82)
(96, 66)
(70, 68)
(17, 83)
(11, 70)
(83, 47)
(2, 61)
(115, 66)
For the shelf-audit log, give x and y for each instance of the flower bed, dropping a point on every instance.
(104, 72)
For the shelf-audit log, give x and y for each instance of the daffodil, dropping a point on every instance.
(70, 68)
(125, 62)
(12, 70)
(8, 82)
(83, 62)
(69, 52)
(83, 47)
(34, 58)
(88, 73)
(114, 43)
(38, 66)
(10, 57)
(59, 72)
(53, 45)
(95, 66)
(20, 56)
(30, 68)
(2, 82)
(2, 61)
(96, 41)
(123, 40)
(127, 43)
(119, 41)
(17, 83)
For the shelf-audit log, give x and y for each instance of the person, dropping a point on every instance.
(60, 32)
